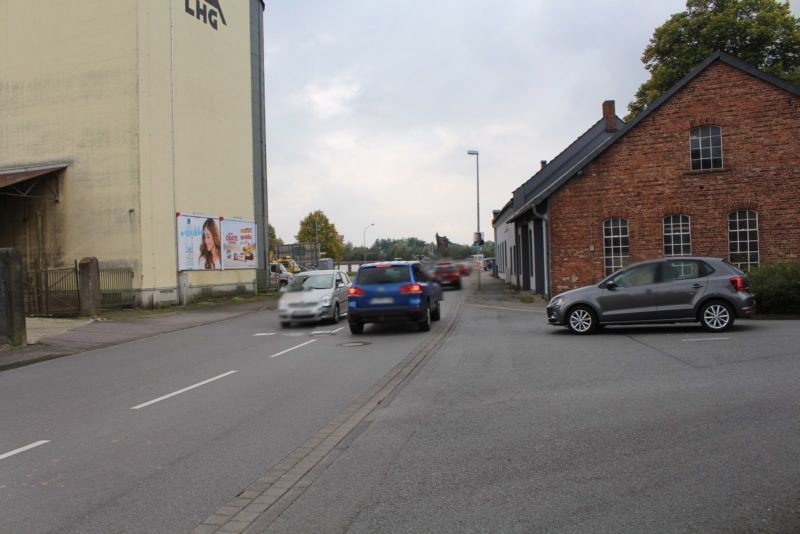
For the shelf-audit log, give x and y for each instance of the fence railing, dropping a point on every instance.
(116, 286)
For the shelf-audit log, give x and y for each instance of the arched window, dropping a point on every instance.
(705, 145)
(616, 247)
(743, 239)
(677, 235)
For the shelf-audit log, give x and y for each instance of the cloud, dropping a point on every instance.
(331, 99)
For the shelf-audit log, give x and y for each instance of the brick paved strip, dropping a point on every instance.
(263, 501)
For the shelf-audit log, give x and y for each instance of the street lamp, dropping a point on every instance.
(478, 193)
(365, 240)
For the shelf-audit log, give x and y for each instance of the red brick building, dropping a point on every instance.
(711, 168)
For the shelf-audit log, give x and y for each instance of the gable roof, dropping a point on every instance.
(548, 186)
(569, 160)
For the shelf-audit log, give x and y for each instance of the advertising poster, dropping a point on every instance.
(199, 243)
(238, 244)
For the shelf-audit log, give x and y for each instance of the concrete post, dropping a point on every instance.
(89, 286)
(12, 298)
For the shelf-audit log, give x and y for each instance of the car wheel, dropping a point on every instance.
(356, 328)
(336, 314)
(581, 320)
(285, 324)
(716, 316)
(425, 323)
(436, 314)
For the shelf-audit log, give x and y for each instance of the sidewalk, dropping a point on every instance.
(54, 338)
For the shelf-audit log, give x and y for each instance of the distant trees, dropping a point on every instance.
(316, 227)
(408, 248)
(763, 33)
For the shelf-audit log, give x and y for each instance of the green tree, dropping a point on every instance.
(316, 227)
(763, 33)
(274, 242)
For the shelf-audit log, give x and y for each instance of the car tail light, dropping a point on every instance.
(739, 283)
(355, 292)
(411, 289)
(383, 265)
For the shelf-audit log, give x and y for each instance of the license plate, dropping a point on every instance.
(382, 300)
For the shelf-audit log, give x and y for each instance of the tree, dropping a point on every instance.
(317, 228)
(274, 242)
(763, 33)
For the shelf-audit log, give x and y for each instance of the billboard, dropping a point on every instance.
(238, 244)
(199, 244)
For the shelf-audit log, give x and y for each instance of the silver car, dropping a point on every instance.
(669, 290)
(314, 296)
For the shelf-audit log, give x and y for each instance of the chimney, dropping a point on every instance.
(610, 115)
(544, 163)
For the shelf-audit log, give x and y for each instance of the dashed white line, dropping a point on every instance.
(338, 329)
(184, 390)
(293, 348)
(319, 332)
(264, 334)
(23, 449)
(707, 339)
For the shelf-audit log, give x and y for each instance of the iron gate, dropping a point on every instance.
(116, 286)
(53, 292)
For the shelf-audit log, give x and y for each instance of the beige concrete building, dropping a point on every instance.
(115, 116)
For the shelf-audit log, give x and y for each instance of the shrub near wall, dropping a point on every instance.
(777, 288)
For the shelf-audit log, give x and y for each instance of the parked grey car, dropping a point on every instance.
(314, 296)
(669, 290)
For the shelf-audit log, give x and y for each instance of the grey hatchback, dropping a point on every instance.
(669, 290)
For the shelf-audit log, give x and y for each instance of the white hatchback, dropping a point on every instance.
(314, 296)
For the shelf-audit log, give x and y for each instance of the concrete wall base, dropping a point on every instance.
(171, 296)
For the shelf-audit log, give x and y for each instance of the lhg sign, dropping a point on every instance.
(207, 11)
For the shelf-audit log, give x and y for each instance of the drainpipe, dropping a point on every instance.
(546, 248)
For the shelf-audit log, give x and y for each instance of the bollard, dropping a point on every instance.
(91, 296)
(12, 298)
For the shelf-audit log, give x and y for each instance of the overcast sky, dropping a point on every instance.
(373, 104)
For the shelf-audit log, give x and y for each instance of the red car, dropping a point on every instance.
(448, 274)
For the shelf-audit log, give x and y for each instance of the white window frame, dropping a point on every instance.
(679, 233)
(701, 138)
(740, 239)
(615, 254)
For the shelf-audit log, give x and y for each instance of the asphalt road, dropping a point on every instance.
(516, 426)
(155, 435)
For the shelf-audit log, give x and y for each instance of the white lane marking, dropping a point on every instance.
(504, 308)
(23, 449)
(264, 334)
(291, 349)
(707, 339)
(318, 332)
(338, 329)
(184, 390)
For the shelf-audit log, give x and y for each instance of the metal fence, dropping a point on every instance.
(116, 286)
(53, 292)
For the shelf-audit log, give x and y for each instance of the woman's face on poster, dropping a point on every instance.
(208, 239)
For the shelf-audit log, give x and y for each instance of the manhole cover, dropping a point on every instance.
(355, 344)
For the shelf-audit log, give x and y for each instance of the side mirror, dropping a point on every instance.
(339, 284)
(611, 285)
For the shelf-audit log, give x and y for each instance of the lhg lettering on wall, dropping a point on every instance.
(207, 11)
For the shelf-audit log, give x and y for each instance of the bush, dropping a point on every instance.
(777, 288)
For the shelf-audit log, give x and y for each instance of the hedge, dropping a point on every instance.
(777, 288)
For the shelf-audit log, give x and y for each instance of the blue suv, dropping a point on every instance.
(393, 291)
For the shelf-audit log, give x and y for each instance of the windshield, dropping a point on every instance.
(309, 282)
(384, 275)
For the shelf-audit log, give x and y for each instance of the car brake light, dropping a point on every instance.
(739, 283)
(411, 288)
(383, 265)
(355, 292)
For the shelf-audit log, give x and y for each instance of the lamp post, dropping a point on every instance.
(478, 193)
(365, 240)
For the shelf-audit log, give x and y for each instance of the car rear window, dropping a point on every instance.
(383, 275)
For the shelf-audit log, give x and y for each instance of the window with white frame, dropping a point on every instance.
(705, 145)
(616, 246)
(743, 239)
(677, 235)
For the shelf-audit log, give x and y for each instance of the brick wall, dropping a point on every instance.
(646, 175)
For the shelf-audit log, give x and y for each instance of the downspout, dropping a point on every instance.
(546, 248)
